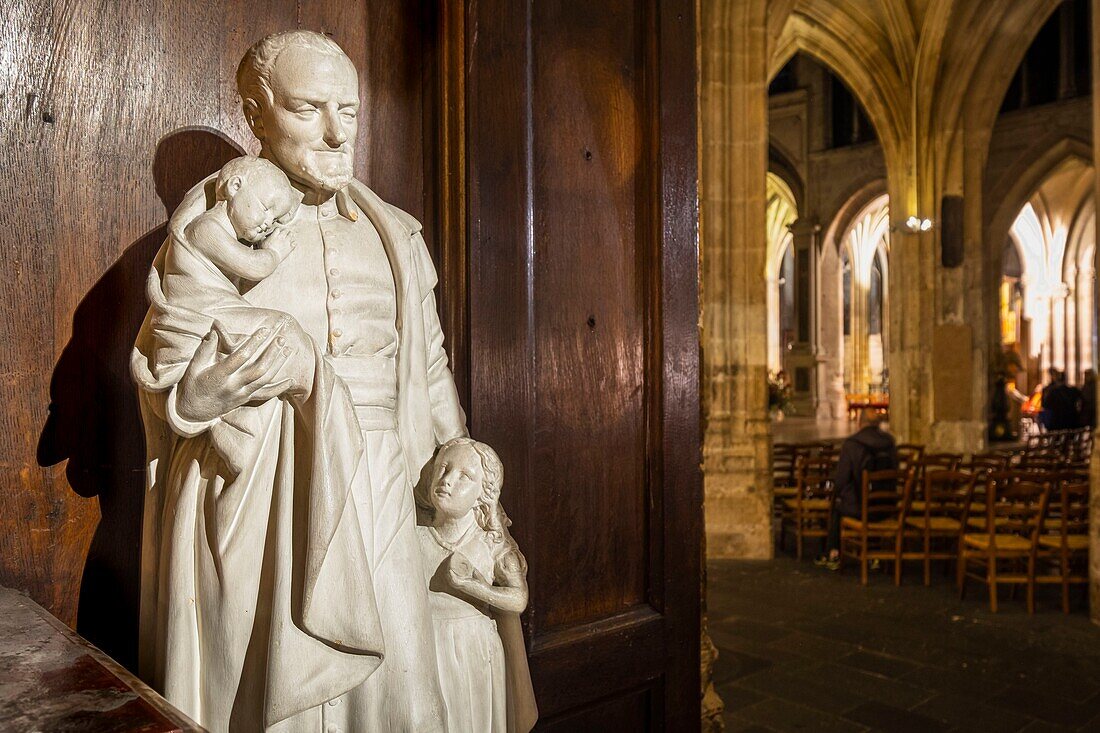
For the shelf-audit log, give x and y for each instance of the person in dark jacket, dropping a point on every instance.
(1061, 402)
(1088, 399)
(871, 448)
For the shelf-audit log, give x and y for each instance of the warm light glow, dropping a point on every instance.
(780, 214)
(866, 240)
(916, 224)
(1042, 246)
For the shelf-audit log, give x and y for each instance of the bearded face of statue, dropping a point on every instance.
(309, 126)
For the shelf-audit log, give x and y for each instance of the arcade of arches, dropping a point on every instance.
(904, 192)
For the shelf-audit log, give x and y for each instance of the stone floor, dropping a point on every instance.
(808, 429)
(803, 649)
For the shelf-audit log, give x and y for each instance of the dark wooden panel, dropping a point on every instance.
(591, 208)
(631, 712)
(583, 339)
(108, 116)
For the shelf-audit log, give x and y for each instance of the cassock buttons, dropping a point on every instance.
(336, 294)
(335, 272)
(337, 333)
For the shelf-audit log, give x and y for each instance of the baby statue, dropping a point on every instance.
(477, 587)
(236, 241)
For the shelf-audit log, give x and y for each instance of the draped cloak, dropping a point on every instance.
(257, 602)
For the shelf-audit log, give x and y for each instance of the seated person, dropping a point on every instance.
(871, 448)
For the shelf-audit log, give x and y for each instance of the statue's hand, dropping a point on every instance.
(461, 573)
(280, 241)
(213, 386)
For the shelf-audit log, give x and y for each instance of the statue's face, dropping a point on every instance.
(457, 482)
(309, 129)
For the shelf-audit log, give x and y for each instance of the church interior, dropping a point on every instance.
(781, 316)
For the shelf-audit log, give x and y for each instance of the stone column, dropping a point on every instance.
(1094, 513)
(802, 358)
(734, 131)
(830, 371)
(1058, 327)
(859, 336)
(1073, 366)
(1084, 294)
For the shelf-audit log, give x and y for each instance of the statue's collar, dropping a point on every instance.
(340, 203)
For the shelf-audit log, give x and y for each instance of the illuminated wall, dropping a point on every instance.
(781, 213)
(864, 251)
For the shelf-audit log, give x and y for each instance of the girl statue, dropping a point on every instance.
(477, 587)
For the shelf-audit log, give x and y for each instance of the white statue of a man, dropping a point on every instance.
(282, 577)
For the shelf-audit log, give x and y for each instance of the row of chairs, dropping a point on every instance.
(1003, 518)
(1074, 445)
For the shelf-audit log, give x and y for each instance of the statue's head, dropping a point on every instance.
(466, 476)
(300, 94)
(258, 196)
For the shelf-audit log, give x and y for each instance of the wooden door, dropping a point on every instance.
(582, 343)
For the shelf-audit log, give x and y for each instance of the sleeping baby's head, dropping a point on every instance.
(258, 196)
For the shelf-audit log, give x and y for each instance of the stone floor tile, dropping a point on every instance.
(963, 712)
(881, 717)
(1045, 706)
(955, 681)
(878, 664)
(733, 665)
(785, 716)
(871, 687)
(1041, 726)
(754, 631)
(736, 724)
(818, 693)
(734, 696)
(817, 647)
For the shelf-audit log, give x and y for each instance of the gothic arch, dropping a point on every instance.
(779, 163)
(968, 79)
(1021, 181)
(855, 50)
(854, 204)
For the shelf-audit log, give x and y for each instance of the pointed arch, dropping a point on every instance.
(1020, 182)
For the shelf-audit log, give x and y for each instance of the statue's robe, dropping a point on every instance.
(258, 604)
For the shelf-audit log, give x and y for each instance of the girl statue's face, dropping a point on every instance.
(457, 482)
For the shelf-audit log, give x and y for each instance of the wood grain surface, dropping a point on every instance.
(584, 343)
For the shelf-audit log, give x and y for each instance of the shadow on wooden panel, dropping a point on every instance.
(93, 420)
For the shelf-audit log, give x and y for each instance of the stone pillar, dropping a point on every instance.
(830, 372)
(1058, 327)
(734, 155)
(1073, 366)
(1094, 512)
(859, 338)
(802, 358)
(1084, 294)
